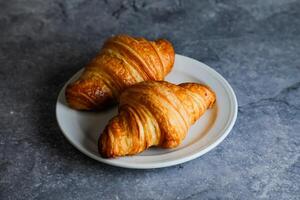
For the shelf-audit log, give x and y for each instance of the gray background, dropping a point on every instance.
(255, 45)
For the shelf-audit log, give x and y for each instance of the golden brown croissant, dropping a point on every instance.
(154, 113)
(122, 62)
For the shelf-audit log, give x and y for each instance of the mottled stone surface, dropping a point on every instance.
(255, 45)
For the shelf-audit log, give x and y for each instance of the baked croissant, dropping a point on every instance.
(154, 113)
(122, 62)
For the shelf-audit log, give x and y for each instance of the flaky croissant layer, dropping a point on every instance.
(122, 62)
(154, 113)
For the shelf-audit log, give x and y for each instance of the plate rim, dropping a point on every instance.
(194, 155)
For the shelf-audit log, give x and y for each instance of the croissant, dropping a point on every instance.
(122, 62)
(154, 113)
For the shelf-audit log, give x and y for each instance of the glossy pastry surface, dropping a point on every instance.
(123, 61)
(154, 113)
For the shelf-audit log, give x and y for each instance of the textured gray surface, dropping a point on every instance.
(255, 45)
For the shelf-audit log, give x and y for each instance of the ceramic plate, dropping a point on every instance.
(82, 129)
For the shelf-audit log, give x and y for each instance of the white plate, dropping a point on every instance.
(82, 129)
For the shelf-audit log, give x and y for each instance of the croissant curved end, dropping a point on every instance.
(102, 149)
(167, 50)
(203, 90)
(110, 145)
(85, 95)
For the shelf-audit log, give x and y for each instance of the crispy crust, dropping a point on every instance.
(123, 61)
(154, 113)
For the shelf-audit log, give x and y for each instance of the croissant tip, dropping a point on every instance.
(84, 95)
(209, 94)
(102, 145)
(73, 98)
